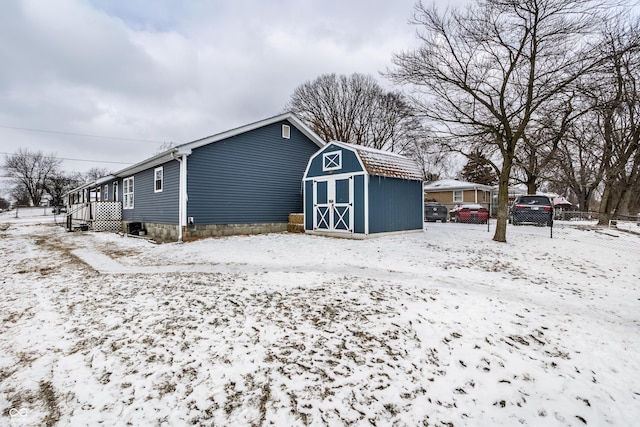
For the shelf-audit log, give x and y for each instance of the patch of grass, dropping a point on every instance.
(48, 396)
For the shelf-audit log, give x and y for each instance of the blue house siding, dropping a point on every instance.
(394, 205)
(254, 177)
(350, 163)
(149, 206)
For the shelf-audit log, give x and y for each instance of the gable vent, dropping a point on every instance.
(286, 131)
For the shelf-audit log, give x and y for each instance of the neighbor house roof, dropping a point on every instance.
(385, 163)
(454, 184)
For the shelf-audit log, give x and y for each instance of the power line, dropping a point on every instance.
(78, 160)
(81, 134)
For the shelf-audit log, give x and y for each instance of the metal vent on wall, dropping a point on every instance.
(286, 131)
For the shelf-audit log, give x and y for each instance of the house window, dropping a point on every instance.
(286, 131)
(105, 192)
(157, 179)
(127, 193)
(457, 196)
(332, 161)
(115, 192)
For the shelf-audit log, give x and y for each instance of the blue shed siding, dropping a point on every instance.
(394, 205)
(254, 177)
(350, 162)
(358, 204)
(149, 206)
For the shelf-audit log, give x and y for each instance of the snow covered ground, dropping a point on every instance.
(440, 328)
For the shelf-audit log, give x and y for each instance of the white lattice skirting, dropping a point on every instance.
(108, 216)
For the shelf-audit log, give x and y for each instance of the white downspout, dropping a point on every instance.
(182, 193)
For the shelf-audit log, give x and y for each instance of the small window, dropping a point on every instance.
(127, 193)
(457, 196)
(105, 192)
(115, 192)
(157, 179)
(286, 131)
(332, 161)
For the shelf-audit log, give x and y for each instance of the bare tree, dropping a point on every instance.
(355, 109)
(94, 174)
(579, 162)
(485, 73)
(20, 195)
(618, 111)
(536, 155)
(4, 204)
(30, 171)
(58, 184)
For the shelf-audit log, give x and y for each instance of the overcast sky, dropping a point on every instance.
(156, 71)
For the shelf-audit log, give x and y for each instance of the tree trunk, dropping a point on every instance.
(584, 199)
(503, 202)
(606, 205)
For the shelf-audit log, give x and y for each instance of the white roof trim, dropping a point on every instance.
(186, 149)
(290, 117)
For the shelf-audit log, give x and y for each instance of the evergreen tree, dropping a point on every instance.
(479, 170)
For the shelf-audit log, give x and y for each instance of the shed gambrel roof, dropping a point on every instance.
(385, 163)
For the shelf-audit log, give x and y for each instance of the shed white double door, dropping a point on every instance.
(333, 204)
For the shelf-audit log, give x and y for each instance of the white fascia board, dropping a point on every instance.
(290, 117)
(96, 183)
(186, 149)
(104, 179)
(154, 161)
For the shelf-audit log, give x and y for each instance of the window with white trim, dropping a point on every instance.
(457, 196)
(286, 131)
(332, 160)
(105, 192)
(127, 193)
(115, 192)
(158, 179)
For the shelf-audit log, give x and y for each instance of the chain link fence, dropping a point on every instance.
(622, 232)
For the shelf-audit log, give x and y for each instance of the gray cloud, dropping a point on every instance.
(168, 70)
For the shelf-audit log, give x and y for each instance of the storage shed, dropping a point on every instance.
(355, 191)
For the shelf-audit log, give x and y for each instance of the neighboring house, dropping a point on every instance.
(451, 192)
(356, 191)
(243, 181)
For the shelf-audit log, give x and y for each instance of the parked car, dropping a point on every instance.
(434, 211)
(531, 209)
(469, 213)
